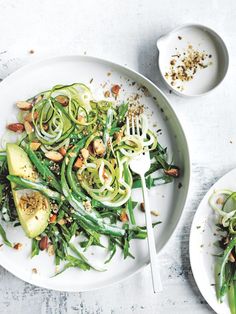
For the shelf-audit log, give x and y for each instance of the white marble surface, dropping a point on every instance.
(125, 31)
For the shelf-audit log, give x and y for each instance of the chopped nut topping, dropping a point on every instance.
(50, 249)
(173, 172)
(87, 206)
(124, 217)
(31, 116)
(220, 201)
(28, 127)
(78, 163)
(30, 203)
(107, 94)
(85, 153)
(18, 246)
(62, 151)
(184, 66)
(34, 270)
(115, 90)
(99, 147)
(35, 145)
(81, 119)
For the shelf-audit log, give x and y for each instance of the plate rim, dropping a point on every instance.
(191, 235)
(43, 60)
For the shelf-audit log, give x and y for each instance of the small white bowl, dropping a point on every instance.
(198, 38)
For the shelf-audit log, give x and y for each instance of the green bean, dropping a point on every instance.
(69, 173)
(224, 260)
(232, 296)
(41, 187)
(4, 237)
(43, 170)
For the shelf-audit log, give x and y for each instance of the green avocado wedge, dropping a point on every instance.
(33, 208)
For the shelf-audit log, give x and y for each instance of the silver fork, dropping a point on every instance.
(140, 165)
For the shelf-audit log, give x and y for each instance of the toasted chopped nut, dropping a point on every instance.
(142, 207)
(38, 99)
(118, 136)
(62, 222)
(85, 153)
(53, 219)
(220, 201)
(78, 163)
(16, 127)
(43, 243)
(87, 206)
(155, 213)
(99, 147)
(62, 151)
(123, 216)
(63, 100)
(29, 203)
(173, 172)
(54, 156)
(28, 127)
(104, 175)
(24, 105)
(81, 119)
(34, 270)
(45, 126)
(31, 116)
(35, 145)
(231, 258)
(107, 93)
(115, 89)
(50, 249)
(18, 246)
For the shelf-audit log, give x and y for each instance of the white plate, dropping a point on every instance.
(201, 248)
(168, 199)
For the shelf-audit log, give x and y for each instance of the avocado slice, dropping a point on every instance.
(33, 208)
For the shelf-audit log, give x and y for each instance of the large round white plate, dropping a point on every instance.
(203, 235)
(169, 199)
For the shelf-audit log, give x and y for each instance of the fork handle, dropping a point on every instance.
(156, 279)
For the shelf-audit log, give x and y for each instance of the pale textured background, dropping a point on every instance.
(125, 32)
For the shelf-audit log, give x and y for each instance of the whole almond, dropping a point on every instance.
(63, 100)
(30, 117)
(28, 127)
(62, 151)
(16, 127)
(38, 99)
(43, 243)
(45, 126)
(24, 105)
(35, 145)
(54, 156)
